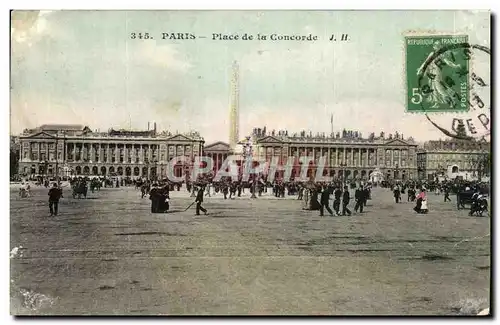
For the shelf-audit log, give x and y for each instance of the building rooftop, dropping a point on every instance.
(455, 145)
(80, 130)
(131, 133)
(61, 127)
(344, 136)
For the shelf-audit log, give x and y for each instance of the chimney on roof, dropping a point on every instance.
(154, 127)
(148, 126)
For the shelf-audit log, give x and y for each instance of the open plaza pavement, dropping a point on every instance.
(108, 255)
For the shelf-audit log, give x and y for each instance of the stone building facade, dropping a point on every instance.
(348, 155)
(51, 150)
(218, 151)
(434, 158)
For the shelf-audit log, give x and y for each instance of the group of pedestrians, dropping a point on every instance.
(361, 196)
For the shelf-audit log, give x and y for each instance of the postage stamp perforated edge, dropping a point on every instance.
(404, 75)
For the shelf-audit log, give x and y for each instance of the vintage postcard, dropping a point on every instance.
(250, 163)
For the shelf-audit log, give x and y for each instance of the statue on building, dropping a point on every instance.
(337, 135)
(264, 131)
(371, 136)
(382, 135)
(461, 131)
(344, 133)
(397, 135)
(390, 136)
(286, 133)
(273, 132)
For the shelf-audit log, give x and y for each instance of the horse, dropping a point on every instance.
(79, 189)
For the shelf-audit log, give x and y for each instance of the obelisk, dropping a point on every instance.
(234, 116)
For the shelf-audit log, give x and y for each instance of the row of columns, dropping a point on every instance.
(103, 153)
(218, 159)
(334, 156)
(399, 155)
(337, 156)
(96, 152)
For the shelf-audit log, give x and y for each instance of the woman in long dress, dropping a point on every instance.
(306, 198)
(421, 205)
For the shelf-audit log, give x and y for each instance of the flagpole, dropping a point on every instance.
(331, 124)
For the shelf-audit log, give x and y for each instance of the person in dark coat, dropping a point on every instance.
(345, 201)
(336, 202)
(325, 201)
(397, 193)
(55, 193)
(164, 205)
(447, 194)
(239, 189)
(155, 197)
(359, 197)
(199, 201)
(366, 195)
(313, 202)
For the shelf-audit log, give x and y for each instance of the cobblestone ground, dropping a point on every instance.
(108, 255)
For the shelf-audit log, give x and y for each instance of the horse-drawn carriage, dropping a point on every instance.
(464, 198)
(478, 205)
(79, 188)
(95, 184)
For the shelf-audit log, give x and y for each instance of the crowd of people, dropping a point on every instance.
(315, 196)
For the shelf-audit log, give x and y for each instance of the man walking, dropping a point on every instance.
(359, 197)
(199, 201)
(54, 195)
(345, 202)
(397, 193)
(325, 201)
(447, 194)
(155, 197)
(336, 202)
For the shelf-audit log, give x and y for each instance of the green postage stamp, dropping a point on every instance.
(437, 73)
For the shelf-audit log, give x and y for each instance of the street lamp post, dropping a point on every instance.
(46, 170)
(155, 164)
(248, 157)
(343, 166)
(193, 181)
(146, 162)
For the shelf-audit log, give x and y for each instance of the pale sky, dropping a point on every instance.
(81, 67)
